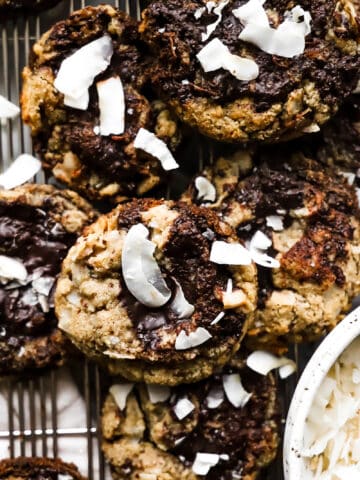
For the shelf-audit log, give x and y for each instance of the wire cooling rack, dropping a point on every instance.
(31, 411)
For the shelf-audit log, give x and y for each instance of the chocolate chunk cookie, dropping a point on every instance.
(301, 223)
(38, 224)
(37, 468)
(242, 71)
(88, 135)
(10, 8)
(139, 293)
(221, 428)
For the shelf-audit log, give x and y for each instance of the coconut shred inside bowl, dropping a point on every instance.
(332, 429)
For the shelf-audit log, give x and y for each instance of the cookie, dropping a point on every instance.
(96, 137)
(300, 221)
(239, 71)
(139, 293)
(38, 224)
(163, 433)
(10, 8)
(37, 468)
(339, 140)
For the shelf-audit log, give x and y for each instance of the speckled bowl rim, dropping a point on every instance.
(318, 366)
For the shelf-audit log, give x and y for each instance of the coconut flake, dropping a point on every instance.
(257, 246)
(78, 71)
(206, 190)
(180, 306)
(350, 177)
(198, 337)
(331, 434)
(216, 55)
(140, 270)
(209, 234)
(8, 109)
(179, 440)
(81, 103)
(43, 285)
(234, 390)
(204, 462)
(158, 393)
(288, 40)
(183, 408)
(218, 317)
(224, 253)
(217, 11)
(199, 12)
(263, 362)
(12, 269)
(30, 297)
(120, 392)
(264, 260)
(260, 241)
(356, 376)
(275, 222)
(112, 106)
(44, 304)
(20, 171)
(215, 397)
(210, 5)
(286, 370)
(149, 143)
(313, 128)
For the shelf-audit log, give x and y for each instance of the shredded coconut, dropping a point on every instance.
(332, 430)
(216, 55)
(287, 40)
(149, 143)
(217, 9)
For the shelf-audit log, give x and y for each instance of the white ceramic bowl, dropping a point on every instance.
(320, 363)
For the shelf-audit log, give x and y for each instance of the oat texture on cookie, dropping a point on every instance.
(300, 222)
(243, 71)
(141, 293)
(223, 427)
(83, 98)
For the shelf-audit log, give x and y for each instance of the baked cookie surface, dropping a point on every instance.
(38, 468)
(10, 8)
(310, 217)
(161, 432)
(285, 97)
(139, 293)
(99, 163)
(38, 224)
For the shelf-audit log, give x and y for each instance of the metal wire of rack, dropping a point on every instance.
(30, 407)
